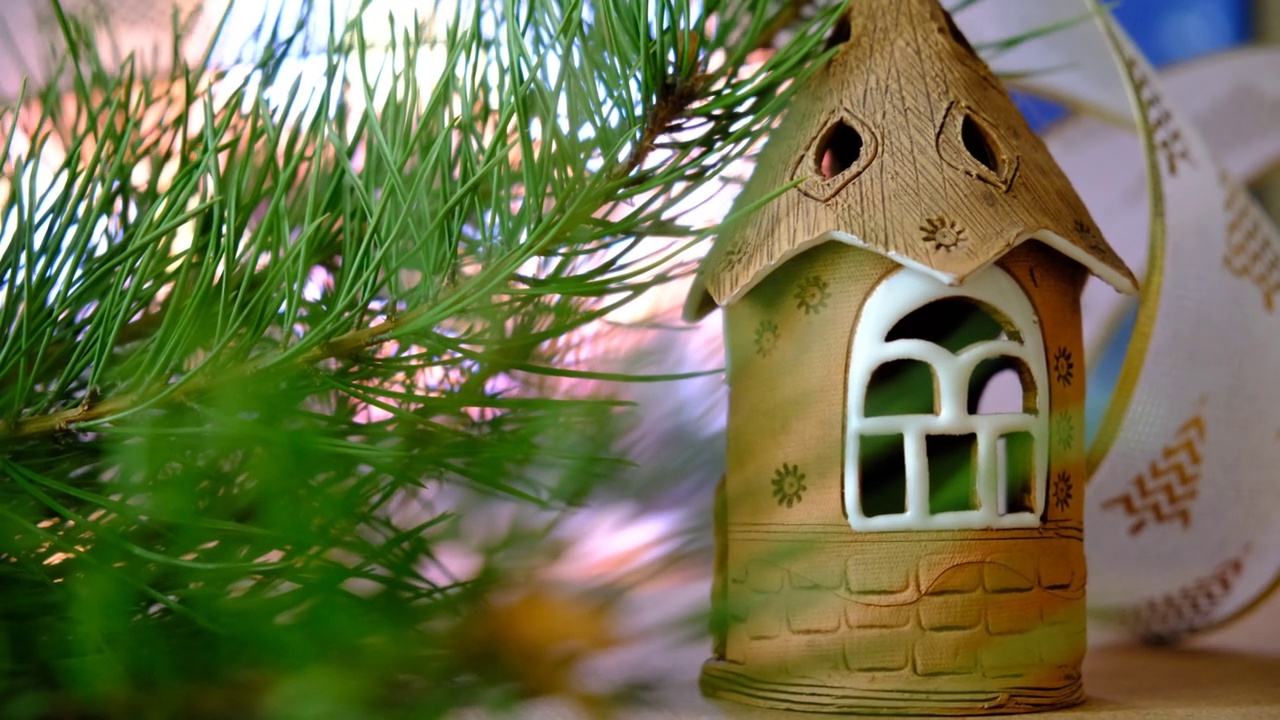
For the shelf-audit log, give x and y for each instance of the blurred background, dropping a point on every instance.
(1171, 31)
(1168, 31)
(652, 527)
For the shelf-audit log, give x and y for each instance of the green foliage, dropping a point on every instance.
(255, 339)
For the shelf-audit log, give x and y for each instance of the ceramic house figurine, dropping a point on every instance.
(900, 524)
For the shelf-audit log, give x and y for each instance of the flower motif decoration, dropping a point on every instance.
(733, 257)
(1087, 234)
(811, 295)
(1064, 430)
(1062, 490)
(766, 337)
(943, 233)
(788, 485)
(1064, 366)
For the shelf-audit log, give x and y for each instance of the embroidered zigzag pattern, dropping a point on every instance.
(1252, 254)
(1168, 137)
(1186, 609)
(1167, 490)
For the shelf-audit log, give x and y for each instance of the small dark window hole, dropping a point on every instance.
(901, 387)
(952, 460)
(1015, 470)
(882, 475)
(978, 144)
(840, 32)
(840, 148)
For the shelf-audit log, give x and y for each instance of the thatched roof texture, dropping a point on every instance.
(907, 145)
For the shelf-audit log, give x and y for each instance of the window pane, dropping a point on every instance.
(882, 475)
(1002, 385)
(952, 459)
(953, 323)
(1015, 459)
(902, 387)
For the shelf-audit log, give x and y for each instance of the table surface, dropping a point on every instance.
(1121, 681)
(1231, 672)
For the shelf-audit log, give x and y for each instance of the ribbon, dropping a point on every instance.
(1183, 529)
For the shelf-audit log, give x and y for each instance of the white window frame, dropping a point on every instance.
(893, 299)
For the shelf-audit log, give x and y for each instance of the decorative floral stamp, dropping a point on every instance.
(733, 256)
(788, 485)
(766, 337)
(811, 294)
(1062, 490)
(1064, 430)
(1064, 367)
(943, 233)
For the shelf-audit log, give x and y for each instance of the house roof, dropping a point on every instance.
(905, 144)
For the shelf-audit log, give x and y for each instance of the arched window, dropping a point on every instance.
(947, 407)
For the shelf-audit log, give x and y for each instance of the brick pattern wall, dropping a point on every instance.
(982, 614)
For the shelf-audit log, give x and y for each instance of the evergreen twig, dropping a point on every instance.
(255, 321)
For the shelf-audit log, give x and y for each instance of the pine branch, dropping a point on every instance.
(256, 324)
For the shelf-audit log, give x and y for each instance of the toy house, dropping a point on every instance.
(900, 524)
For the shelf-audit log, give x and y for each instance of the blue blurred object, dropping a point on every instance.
(1168, 31)
(1105, 370)
(1039, 113)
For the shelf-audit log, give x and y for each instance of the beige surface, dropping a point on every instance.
(1230, 673)
(1121, 682)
